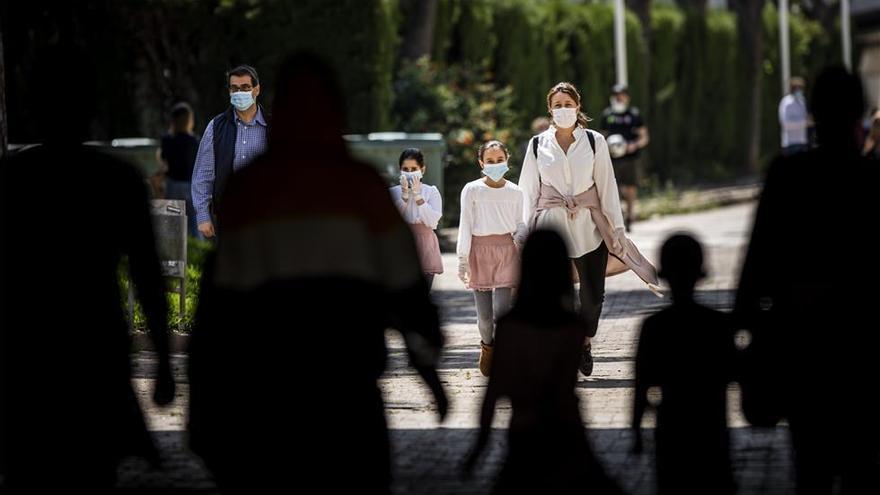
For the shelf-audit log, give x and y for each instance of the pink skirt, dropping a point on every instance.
(428, 248)
(494, 262)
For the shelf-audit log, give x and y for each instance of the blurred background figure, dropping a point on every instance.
(177, 155)
(871, 146)
(794, 119)
(627, 134)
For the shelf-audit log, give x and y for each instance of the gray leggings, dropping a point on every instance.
(491, 305)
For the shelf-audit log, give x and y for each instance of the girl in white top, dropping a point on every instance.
(567, 166)
(421, 207)
(489, 231)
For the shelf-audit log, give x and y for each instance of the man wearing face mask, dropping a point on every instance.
(794, 120)
(231, 141)
(627, 134)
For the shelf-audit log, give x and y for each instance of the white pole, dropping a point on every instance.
(620, 41)
(845, 34)
(784, 50)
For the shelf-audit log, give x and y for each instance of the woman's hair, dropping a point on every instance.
(412, 154)
(569, 89)
(180, 115)
(494, 143)
(545, 291)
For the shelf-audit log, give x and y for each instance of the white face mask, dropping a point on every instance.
(565, 117)
(411, 176)
(618, 106)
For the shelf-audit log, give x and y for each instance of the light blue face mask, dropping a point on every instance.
(495, 171)
(242, 100)
(411, 176)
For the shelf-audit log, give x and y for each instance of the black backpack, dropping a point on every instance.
(589, 136)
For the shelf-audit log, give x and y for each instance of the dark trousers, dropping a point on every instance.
(591, 271)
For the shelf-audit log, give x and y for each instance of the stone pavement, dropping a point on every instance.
(427, 453)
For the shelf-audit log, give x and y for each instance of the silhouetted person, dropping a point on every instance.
(68, 215)
(177, 155)
(313, 264)
(535, 365)
(810, 302)
(686, 352)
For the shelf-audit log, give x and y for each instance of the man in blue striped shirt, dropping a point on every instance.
(230, 142)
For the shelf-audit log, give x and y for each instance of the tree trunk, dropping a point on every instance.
(752, 40)
(418, 39)
(642, 8)
(699, 5)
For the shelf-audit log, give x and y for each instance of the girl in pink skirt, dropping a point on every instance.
(489, 232)
(421, 207)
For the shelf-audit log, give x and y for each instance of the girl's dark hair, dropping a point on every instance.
(412, 154)
(180, 115)
(494, 143)
(569, 89)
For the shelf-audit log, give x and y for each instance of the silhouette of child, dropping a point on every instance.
(538, 349)
(687, 353)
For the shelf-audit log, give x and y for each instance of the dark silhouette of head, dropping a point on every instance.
(681, 263)
(545, 288)
(837, 106)
(308, 105)
(65, 98)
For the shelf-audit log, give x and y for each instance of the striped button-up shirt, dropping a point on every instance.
(250, 141)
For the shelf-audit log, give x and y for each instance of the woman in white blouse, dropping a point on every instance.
(489, 230)
(554, 179)
(421, 207)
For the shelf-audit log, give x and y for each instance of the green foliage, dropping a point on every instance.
(468, 109)
(197, 251)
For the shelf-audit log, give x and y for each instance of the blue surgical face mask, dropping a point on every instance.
(242, 100)
(411, 176)
(495, 171)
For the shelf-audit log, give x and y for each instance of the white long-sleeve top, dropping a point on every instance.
(489, 211)
(793, 120)
(427, 213)
(571, 174)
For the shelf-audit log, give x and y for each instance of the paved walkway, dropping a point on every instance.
(426, 454)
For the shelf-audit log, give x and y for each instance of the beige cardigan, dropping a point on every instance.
(624, 254)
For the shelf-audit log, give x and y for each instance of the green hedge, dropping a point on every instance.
(695, 90)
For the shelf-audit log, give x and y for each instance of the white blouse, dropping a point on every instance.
(571, 174)
(427, 213)
(489, 211)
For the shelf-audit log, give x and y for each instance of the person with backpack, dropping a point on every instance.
(567, 169)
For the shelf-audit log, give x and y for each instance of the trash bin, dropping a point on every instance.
(170, 229)
(140, 152)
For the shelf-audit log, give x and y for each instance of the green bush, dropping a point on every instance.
(196, 253)
(467, 108)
